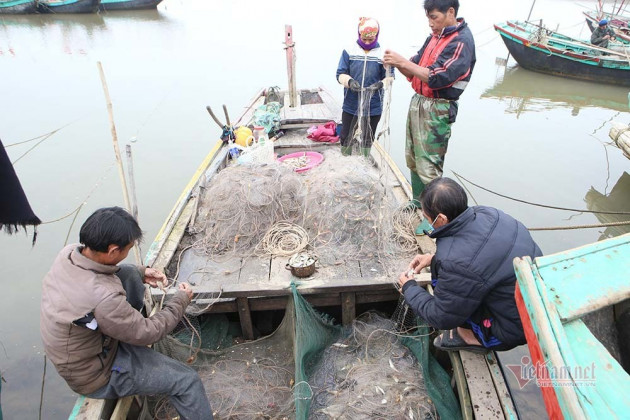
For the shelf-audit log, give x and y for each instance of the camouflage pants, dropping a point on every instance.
(428, 132)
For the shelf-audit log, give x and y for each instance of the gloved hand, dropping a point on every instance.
(354, 85)
(376, 86)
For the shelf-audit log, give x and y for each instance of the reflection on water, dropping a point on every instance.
(617, 201)
(76, 32)
(528, 91)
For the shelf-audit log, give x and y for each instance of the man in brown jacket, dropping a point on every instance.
(91, 326)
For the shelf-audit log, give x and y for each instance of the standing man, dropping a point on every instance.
(602, 34)
(439, 73)
(93, 331)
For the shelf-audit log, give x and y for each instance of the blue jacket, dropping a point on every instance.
(473, 274)
(366, 68)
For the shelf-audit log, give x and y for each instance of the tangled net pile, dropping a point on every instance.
(369, 375)
(341, 209)
(241, 206)
(348, 212)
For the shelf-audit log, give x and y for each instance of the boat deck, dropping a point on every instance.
(247, 284)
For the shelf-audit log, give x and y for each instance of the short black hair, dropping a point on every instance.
(443, 195)
(441, 5)
(107, 226)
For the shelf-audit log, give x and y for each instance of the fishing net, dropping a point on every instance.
(311, 368)
(242, 204)
(370, 374)
(341, 209)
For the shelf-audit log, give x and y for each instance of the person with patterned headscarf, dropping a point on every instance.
(361, 72)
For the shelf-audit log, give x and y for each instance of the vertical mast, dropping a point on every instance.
(289, 46)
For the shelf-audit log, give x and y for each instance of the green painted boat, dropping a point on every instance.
(575, 309)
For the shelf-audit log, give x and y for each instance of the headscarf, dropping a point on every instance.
(368, 26)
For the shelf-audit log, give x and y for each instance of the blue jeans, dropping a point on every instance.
(139, 370)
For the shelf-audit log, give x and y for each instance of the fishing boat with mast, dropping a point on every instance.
(537, 48)
(266, 289)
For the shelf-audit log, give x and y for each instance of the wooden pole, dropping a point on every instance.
(132, 183)
(289, 46)
(121, 172)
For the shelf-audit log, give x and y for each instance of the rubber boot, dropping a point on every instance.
(346, 150)
(365, 152)
(417, 186)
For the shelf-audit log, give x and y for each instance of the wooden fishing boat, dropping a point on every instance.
(250, 286)
(128, 4)
(526, 91)
(619, 23)
(539, 49)
(68, 6)
(558, 296)
(16, 7)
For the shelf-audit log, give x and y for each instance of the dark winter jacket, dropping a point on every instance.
(473, 274)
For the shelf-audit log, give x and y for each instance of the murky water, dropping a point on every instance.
(539, 138)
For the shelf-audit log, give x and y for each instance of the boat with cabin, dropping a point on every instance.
(267, 289)
(575, 307)
(539, 49)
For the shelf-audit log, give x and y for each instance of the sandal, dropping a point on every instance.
(451, 341)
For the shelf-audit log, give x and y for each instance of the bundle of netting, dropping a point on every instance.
(370, 375)
(242, 204)
(348, 214)
(251, 380)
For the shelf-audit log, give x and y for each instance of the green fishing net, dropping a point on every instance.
(311, 368)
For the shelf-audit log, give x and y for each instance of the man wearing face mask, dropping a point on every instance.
(361, 72)
(438, 73)
(471, 272)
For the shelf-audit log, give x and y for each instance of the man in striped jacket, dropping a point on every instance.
(439, 73)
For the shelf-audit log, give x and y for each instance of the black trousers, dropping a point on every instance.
(349, 125)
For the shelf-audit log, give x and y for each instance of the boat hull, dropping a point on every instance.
(129, 4)
(18, 7)
(70, 6)
(543, 60)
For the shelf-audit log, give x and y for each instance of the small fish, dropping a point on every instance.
(391, 365)
(379, 389)
(343, 346)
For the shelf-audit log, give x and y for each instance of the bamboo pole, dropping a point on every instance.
(132, 182)
(121, 172)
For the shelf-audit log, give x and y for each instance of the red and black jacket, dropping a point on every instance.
(450, 58)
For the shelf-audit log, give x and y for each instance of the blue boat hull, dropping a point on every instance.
(18, 8)
(78, 6)
(542, 61)
(129, 4)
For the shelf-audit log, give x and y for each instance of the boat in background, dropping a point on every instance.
(537, 48)
(16, 7)
(68, 6)
(575, 308)
(619, 23)
(128, 4)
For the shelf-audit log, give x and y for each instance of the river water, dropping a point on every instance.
(535, 137)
